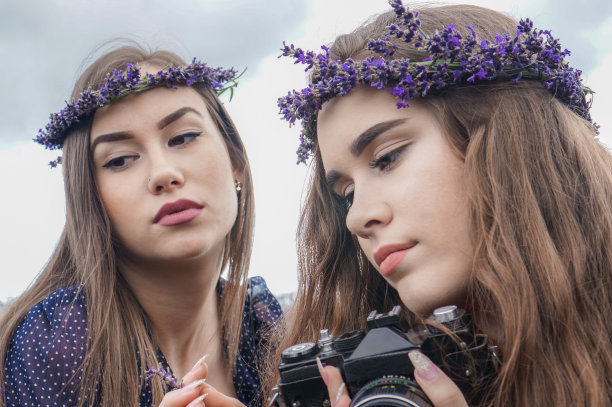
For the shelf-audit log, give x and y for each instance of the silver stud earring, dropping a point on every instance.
(238, 185)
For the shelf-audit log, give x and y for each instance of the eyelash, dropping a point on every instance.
(118, 163)
(345, 201)
(193, 135)
(385, 162)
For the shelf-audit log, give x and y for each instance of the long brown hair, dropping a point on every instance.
(540, 190)
(86, 256)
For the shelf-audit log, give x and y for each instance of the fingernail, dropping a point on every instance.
(322, 371)
(198, 384)
(340, 392)
(201, 362)
(199, 401)
(424, 367)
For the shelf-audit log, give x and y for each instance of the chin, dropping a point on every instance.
(420, 308)
(424, 301)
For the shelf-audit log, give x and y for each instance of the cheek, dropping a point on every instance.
(367, 248)
(119, 200)
(115, 206)
(215, 180)
(217, 177)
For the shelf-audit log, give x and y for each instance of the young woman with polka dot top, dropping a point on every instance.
(159, 203)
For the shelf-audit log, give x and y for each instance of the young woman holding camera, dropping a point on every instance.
(454, 162)
(159, 203)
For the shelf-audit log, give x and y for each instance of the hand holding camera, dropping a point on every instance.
(376, 367)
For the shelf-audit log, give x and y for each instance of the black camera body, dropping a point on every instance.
(375, 366)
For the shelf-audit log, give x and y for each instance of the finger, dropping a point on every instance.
(199, 371)
(217, 399)
(338, 395)
(440, 389)
(199, 402)
(183, 396)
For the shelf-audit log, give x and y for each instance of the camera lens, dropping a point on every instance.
(299, 352)
(396, 391)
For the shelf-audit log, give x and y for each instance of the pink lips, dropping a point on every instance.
(177, 212)
(388, 257)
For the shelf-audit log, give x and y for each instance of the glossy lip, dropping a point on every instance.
(179, 211)
(389, 256)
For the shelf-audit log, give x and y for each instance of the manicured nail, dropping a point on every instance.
(199, 401)
(322, 371)
(340, 392)
(198, 384)
(201, 362)
(424, 367)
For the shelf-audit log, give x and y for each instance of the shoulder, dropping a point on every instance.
(49, 342)
(263, 303)
(260, 314)
(63, 310)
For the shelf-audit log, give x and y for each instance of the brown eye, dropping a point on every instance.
(385, 162)
(183, 139)
(119, 163)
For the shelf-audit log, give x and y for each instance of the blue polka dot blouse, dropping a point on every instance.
(43, 362)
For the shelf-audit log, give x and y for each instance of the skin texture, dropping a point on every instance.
(151, 149)
(196, 392)
(154, 166)
(404, 189)
(413, 197)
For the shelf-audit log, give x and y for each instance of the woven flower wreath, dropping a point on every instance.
(120, 83)
(450, 59)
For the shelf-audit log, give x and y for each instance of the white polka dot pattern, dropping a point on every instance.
(43, 362)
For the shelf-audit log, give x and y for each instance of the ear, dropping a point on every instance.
(238, 174)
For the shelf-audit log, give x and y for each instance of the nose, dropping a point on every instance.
(164, 176)
(368, 212)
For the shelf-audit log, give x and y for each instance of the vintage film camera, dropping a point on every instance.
(375, 366)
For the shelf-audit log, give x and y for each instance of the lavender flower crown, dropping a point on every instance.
(121, 83)
(450, 59)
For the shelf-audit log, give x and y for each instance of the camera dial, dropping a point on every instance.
(375, 366)
(348, 341)
(325, 341)
(301, 351)
(446, 314)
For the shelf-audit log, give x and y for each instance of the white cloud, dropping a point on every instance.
(42, 57)
(32, 215)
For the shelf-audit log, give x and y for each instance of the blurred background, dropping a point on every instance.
(46, 44)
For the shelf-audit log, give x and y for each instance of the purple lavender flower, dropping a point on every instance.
(450, 59)
(120, 83)
(166, 376)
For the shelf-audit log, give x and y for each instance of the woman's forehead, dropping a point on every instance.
(362, 108)
(153, 105)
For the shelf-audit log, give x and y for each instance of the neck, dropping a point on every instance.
(181, 302)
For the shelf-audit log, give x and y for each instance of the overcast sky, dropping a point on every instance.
(45, 44)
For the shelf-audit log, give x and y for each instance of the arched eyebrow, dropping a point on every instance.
(371, 134)
(362, 142)
(109, 138)
(164, 122)
(172, 117)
